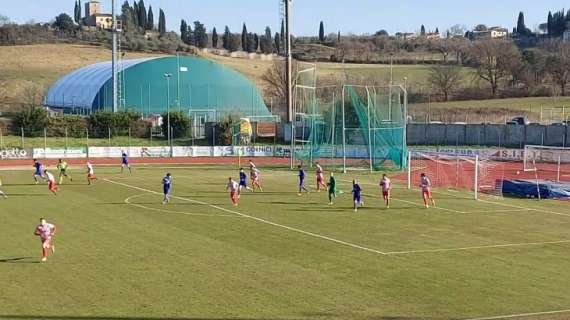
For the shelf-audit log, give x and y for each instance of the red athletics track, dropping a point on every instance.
(148, 161)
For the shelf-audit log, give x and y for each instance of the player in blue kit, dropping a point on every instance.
(125, 162)
(243, 181)
(166, 185)
(357, 195)
(38, 171)
(302, 176)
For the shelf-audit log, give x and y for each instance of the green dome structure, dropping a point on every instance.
(154, 85)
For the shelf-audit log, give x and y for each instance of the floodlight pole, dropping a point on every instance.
(168, 76)
(288, 65)
(114, 59)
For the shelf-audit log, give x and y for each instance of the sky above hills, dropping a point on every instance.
(348, 16)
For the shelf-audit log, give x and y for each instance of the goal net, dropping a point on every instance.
(549, 163)
(471, 174)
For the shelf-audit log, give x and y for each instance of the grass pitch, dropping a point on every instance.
(122, 255)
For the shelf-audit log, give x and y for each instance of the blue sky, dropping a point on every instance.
(348, 16)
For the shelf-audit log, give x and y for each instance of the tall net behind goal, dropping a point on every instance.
(547, 163)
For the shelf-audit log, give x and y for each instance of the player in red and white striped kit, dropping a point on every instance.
(233, 186)
(425, 184)
(320, 178)
(46, 232)
(386, 185)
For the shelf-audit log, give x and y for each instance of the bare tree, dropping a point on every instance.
(495, 61)
(557, 63)
(275, 84)
(32, 94)
(445, 79)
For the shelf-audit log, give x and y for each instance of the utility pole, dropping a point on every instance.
(290, 115)
(114, 60)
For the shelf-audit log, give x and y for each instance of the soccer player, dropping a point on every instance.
(166, 184)
(357, 195)
(320, 178)
(302, 176)
(46, 232)
(2, 192)
(125, 162)
(90, 173)
(386, 185)
(425, 184)
(38, 173)
(52, 185)
(251, 165)
(233, 187)
(243, 181)
(62, 167)
(332, 189)
(255, 179)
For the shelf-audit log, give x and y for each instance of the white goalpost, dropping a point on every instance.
(550, 163)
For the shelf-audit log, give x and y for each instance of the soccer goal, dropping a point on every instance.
(549, 163)
(465, 173)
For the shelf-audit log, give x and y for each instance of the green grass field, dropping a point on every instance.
(122, 255)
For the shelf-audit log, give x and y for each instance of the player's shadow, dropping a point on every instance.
(20, 260)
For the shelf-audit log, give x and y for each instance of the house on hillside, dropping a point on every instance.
(94, 18)
(491, 33)
(406, 35)
(433, 35)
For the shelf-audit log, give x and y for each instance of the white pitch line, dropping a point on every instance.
(128, 201)
(348, 244)
(512, 316)
(526, 244)
(503, 211)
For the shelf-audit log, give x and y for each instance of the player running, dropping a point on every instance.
(52, 185)
(125, 162)
(255, 179)
(62, 167)
(357, 195)
(302, 176)
(386, 185)
(39, 171)
(425, 184)
(332, 189)
(251, 165)
(90, 174)
(234, 189)
(2, 192)
(243, 181)
(166, 184)
(46, 232)
(320, 178)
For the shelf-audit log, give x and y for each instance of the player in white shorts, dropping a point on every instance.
(386, 185)
(46, 232)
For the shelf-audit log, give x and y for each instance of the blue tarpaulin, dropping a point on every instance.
(530, 189)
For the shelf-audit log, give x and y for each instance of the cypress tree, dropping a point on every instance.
(437, 30)
(226, 38)
(322, 32)
(338, 36)
(255, 42)
(191, 39)
(135, 14)
(150, 19)
(200, 35)
(79, 14)
(161, 22)
(214, 38)
(184, 31)
(277, 40)
(75, 12)
(549, 24)
(423, 30)
(267, 41)
(142, 15)
(521, 27)
(244, 38)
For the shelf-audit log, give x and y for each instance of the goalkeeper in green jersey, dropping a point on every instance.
(332, 188)
(62, 166)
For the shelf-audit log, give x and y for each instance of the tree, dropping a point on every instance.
(437, 30)
(445, 79)
(338, 37)
(494, 61)
(4, 20)
(190, 38)
(557, 63)
(179, 123)
(277, 40)
(150, 19)
(549, 24)
(64, 23)
(457, 30)
(142, 15)
(127, 17)
(322, 32)
(480, 27)
(244, 44)
(275, 80)
(76, 13)
(381, 33)
(214, 38)
(161, 22)
(522, 30)
(135, 14)
(184, 31)
(423, 30)
(200, 35)
(226, 38)
(266, 42)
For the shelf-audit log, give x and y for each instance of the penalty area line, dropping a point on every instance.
(526, 244)
(307, 233)
(128, 201)
(523, 315)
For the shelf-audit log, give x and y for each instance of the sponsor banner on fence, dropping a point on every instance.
(15, 153)
(57, 153)
(133, 152)
(489, 153)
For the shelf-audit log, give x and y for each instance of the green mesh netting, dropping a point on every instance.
(373, 122)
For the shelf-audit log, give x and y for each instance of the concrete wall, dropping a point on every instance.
(514, 136)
